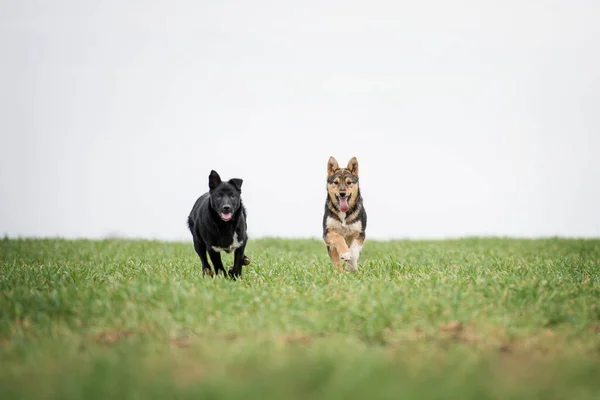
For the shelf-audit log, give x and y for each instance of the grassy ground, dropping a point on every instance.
(468, 319)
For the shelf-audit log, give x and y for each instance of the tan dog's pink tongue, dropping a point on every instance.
(344, 204)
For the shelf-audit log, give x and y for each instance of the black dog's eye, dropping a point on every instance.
(232, 196)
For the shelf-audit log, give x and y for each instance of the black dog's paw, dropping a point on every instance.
(207, 271)
(246, 261)
(233, 274)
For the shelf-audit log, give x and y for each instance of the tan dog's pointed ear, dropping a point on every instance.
(353, 166)
(332, 166)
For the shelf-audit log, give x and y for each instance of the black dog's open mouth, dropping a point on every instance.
(343, 201)
(225, 216)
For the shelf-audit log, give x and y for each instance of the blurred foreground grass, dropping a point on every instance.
(470, 319)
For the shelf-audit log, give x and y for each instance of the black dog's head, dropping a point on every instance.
(224, 196)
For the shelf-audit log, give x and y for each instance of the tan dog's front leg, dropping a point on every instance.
(355, 249)
(338, 248)
(335, 257)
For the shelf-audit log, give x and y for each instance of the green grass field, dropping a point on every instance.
(466, 319)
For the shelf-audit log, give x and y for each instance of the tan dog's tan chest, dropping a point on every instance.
(346, 230)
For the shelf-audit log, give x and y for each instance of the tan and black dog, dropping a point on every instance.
(345, 219)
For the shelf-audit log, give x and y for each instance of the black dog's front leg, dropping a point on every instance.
(215, 257)
(239, 259)
(200, 248)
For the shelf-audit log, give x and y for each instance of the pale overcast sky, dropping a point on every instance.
(467, 117)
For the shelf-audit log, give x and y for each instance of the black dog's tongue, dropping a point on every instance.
(344, 204)
(226, 216)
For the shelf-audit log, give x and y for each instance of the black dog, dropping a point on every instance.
(218, 222)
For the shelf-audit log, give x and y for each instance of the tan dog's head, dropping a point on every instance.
(342, 183)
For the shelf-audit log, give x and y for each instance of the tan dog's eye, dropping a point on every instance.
(336, 182)
(348, 182)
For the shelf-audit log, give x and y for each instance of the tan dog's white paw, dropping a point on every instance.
(352, 266)
(347, 256)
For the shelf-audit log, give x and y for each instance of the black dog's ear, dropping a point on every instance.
(237, 183)
(214, 180)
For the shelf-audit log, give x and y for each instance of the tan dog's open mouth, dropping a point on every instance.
(343, 203)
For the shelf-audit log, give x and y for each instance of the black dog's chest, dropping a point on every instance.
(227, 244)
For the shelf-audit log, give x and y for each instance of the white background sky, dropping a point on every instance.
(467, 117)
